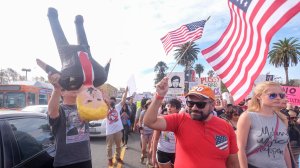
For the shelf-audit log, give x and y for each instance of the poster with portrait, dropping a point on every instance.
(176, 83)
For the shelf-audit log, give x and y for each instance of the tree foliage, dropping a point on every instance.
(160, 69)
(285, 53)
(199, 69)
(186, 54)
(211, 73)
(9, 75)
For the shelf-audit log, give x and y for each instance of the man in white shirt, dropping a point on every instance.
(114, 128)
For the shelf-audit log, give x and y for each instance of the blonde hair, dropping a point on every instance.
(259, 89)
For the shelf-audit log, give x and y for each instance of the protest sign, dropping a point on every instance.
(293, 94)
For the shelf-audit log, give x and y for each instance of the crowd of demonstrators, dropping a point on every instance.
(146, 137)
(225, 111)
(201, 138)
(71, 134)
(243, 104)
(230, 112)
(114, 128)
(292, 115)
(233, 115)
(262, 131)
(294, 134)
(163, 154)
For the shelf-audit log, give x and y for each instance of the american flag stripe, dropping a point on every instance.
(240, 54)
(176, 40)
(179, 41)
(221, 142)
(222, 145)
(182, 35)
(169, 41)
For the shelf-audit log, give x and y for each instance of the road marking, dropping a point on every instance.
(114, 160)
(122, 154)
(122, 157)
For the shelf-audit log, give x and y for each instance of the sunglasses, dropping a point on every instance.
(199, 105)
(274, 95)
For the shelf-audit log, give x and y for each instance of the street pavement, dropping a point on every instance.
(131, 156)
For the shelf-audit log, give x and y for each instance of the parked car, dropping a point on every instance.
(97, 128)
(26, 140)
(36, 108)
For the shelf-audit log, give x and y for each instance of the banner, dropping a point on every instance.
(293, 94)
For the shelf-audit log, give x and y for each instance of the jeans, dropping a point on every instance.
(125, 134)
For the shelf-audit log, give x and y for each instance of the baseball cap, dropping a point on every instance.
(202, 90)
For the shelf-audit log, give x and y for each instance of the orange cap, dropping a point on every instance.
(202, 90)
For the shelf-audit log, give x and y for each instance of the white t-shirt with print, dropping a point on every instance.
(114, 123)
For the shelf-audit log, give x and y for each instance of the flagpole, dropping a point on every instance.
(190, 42)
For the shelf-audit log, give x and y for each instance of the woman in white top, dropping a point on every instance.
(163, 144)
(262, 136)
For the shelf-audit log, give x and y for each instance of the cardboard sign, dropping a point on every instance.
(293, 94)
(213, 82)
(176, 83)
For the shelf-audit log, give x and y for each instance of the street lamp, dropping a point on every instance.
(26, 70)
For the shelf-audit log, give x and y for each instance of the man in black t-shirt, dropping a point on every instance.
(71, 134)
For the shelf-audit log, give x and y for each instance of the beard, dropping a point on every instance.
(199, 115)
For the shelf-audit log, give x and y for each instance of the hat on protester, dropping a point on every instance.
(202, 90)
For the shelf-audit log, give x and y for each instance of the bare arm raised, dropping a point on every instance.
(123, 101)
(151, 119)
(53, 105)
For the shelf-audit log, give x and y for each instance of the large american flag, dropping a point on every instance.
(186, 33)
(240, 54)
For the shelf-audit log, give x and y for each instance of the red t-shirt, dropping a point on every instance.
(201, 144)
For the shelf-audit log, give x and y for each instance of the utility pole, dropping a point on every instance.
(26, 70)
(1, 73)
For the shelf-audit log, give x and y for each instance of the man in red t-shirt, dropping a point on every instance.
(202, 140)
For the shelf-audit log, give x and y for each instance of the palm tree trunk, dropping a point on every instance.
(286, 69)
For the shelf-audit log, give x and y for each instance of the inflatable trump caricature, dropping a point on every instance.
(79, 70)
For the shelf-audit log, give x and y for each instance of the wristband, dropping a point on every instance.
(158, 97)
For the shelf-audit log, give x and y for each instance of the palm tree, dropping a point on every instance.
(199, 69)
(160, 68)
(186, 54)
(285, 53)
(211, 73)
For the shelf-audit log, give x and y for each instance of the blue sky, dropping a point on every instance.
(127, 31)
